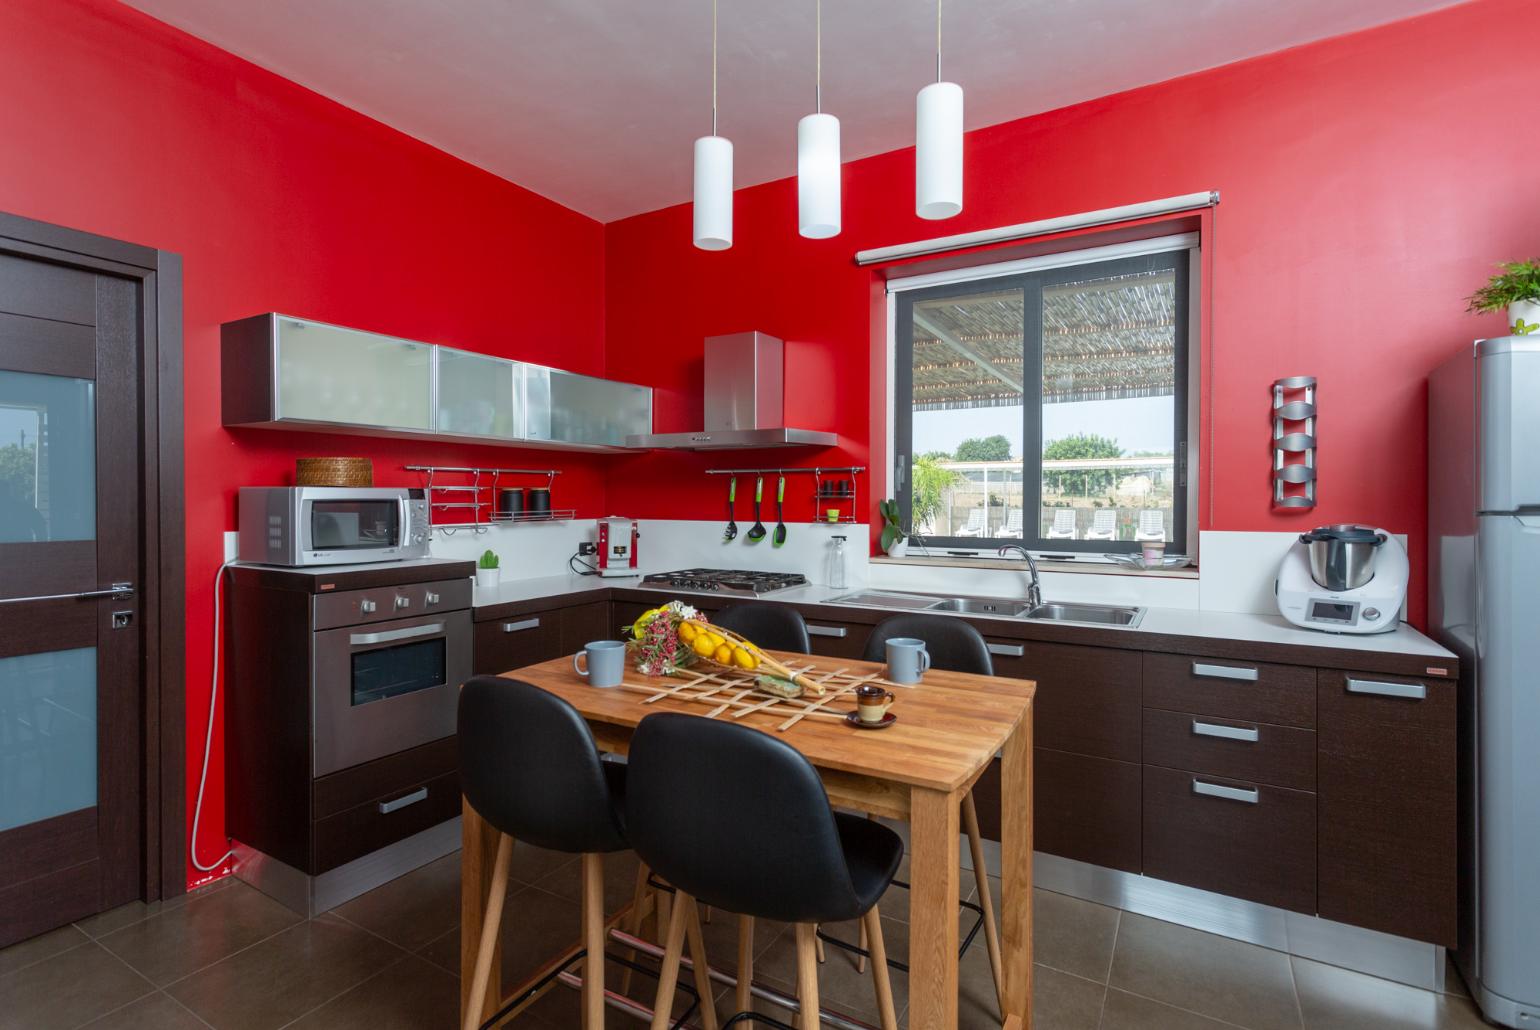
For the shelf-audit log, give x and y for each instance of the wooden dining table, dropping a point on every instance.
(945, 732)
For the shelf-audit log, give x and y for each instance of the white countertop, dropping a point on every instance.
(1189, 622)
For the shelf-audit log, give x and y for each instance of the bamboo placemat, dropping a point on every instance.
(736, 694)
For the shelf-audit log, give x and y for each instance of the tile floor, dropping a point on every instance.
(229, 958)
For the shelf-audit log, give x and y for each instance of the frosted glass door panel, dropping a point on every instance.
(330, 374)
(47, 458)
(587, 410)
(475, 394)
(47, 735)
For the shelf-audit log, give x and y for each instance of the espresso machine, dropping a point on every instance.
(617, 546)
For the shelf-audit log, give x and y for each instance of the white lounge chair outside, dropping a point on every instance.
(1152, 525)
(1012, 524)
(1104, 525)
(975, 526)
(1063, 527)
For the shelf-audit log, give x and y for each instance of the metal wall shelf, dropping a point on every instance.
(821, 501)
(483, 479)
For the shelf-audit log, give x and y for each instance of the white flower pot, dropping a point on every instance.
(899, 549)
(1526, 311)
(487, 579)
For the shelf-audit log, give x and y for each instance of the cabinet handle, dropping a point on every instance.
(1008, 650)
(1209, 729)
(387, 635)
(1414, 691)
(1223, 672)
(523, 624)
(826, 631)
(387, 807)
(1219, 790)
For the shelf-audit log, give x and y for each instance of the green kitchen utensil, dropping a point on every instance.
(757, 531)
(732, 519)
(780, 518)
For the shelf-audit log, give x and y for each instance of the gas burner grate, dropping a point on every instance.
(726, 581)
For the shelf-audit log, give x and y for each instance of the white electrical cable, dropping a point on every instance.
(208, 741)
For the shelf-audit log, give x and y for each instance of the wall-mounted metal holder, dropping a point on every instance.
(819, 497)
(470, 499)
(1294, 402)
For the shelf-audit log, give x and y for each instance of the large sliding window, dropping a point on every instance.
(1046, 407)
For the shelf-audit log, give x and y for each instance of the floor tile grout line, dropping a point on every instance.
(181, 1005)
(1299, 1003)
(47, 958)
(238, 951)
(1190, 1012)
(352, 987)
(153, 987)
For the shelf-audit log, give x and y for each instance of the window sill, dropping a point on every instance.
(1015, 565)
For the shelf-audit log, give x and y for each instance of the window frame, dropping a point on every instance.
(1178, 254)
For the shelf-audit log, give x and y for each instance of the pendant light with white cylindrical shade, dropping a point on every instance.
(818, 158)
(713, 172)
(938, 138)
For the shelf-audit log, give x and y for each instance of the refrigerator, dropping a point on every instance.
(1484, 604)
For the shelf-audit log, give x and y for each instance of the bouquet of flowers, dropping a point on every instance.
(655, 639)
(675, 636)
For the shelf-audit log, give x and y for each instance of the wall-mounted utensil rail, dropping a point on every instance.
(482, 479)
(820, 497)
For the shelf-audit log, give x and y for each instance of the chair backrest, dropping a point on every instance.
(1013, 521)
(1064, 520)
(953, 644)
(736, 818)
(975, 520)
(1105, 520)
(529, 766)
(769, 625)
(1152, 521)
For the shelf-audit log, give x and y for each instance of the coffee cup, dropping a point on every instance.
(1153, 551)
(907, 659)
(605, 661)
(872, 702)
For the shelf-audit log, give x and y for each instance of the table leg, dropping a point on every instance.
(1016, 874)
(478, 859)
(933, 933)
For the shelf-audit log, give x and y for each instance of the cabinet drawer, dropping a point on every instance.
(1087, 697)
(1283, 695)
(1235, 837)
(583, 623)
(385, 820)
(1283, 756)
(393, 774)
(516, 641)
(837, 639)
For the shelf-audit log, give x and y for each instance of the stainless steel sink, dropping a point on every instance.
(980, 606)
(1091, 614)
(888, 599)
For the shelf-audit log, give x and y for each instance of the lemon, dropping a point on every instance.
(702, 647)
(744, 659)
(724, 654)
(687, 632)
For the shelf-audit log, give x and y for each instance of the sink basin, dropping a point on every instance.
(1091, 614)
(980, 606)
(888, 599)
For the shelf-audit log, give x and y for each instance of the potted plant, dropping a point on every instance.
(894, 540)
(1516, 290)
(487, 570)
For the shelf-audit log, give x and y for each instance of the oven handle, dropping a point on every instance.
(385, 636)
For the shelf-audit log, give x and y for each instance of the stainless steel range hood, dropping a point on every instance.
(745, 401)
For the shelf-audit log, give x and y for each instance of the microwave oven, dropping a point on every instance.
(297, 526)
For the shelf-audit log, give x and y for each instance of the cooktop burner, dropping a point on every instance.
(726, 581)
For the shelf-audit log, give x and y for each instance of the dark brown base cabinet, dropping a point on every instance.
(528, 638)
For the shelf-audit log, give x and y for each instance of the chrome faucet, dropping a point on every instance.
(1035, 589)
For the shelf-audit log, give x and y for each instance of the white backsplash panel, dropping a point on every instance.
(1239, 569)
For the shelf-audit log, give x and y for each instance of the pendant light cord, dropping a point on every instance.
(818, 56)
(938, 40)
(713, 67)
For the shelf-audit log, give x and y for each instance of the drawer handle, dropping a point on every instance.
(826, 631)
(1219, 790)
(1209, 729)
(1223, 672)
(523, 624)
(388, 635)
(1415, 691)
(1008, 650)
(387, 807)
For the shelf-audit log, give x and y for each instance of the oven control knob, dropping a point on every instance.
(430, 598)
(403, 602)
(366, 606)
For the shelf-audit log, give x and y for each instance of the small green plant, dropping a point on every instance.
(488, 560)
(1518, 281)
(892, 530)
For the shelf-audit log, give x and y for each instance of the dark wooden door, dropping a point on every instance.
(71, 818)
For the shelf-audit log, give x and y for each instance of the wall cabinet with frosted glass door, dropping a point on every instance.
(281, 372)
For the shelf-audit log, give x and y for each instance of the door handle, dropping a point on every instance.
(1223, 672)
(118, 592)
(1219, 790)
(1414, 691)
(826, 631)
(385, 636)
(395, 805)
(1209, 729)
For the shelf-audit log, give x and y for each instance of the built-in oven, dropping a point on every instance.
(389, 663)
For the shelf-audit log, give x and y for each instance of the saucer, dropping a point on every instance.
(854, 719)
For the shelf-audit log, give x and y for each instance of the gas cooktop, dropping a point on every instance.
(726, 581)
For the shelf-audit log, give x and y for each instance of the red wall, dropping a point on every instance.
(1368, 183)
(278, 199)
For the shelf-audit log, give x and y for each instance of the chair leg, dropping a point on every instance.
(861, 943)
(634, 921)
(703, 985)
(970, 816)
(668, 976)
(491, 921)
(817, 943)
(593, 941)
(872, 924)
(807, 978)
(744, 999)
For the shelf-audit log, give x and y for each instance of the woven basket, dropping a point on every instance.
(333, 472)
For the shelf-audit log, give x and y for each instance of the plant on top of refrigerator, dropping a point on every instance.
(1516, 289)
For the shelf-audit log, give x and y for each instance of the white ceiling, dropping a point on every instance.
(593, 103)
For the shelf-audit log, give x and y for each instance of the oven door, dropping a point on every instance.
(388, 686)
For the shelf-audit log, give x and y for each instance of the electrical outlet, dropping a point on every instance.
(232, 544)
(586, 548)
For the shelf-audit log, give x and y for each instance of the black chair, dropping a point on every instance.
(530, 768)
(739, 820)
(774, 626)
(957, 647)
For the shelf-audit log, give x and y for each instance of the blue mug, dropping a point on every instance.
(606, 661)
(907, 659)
